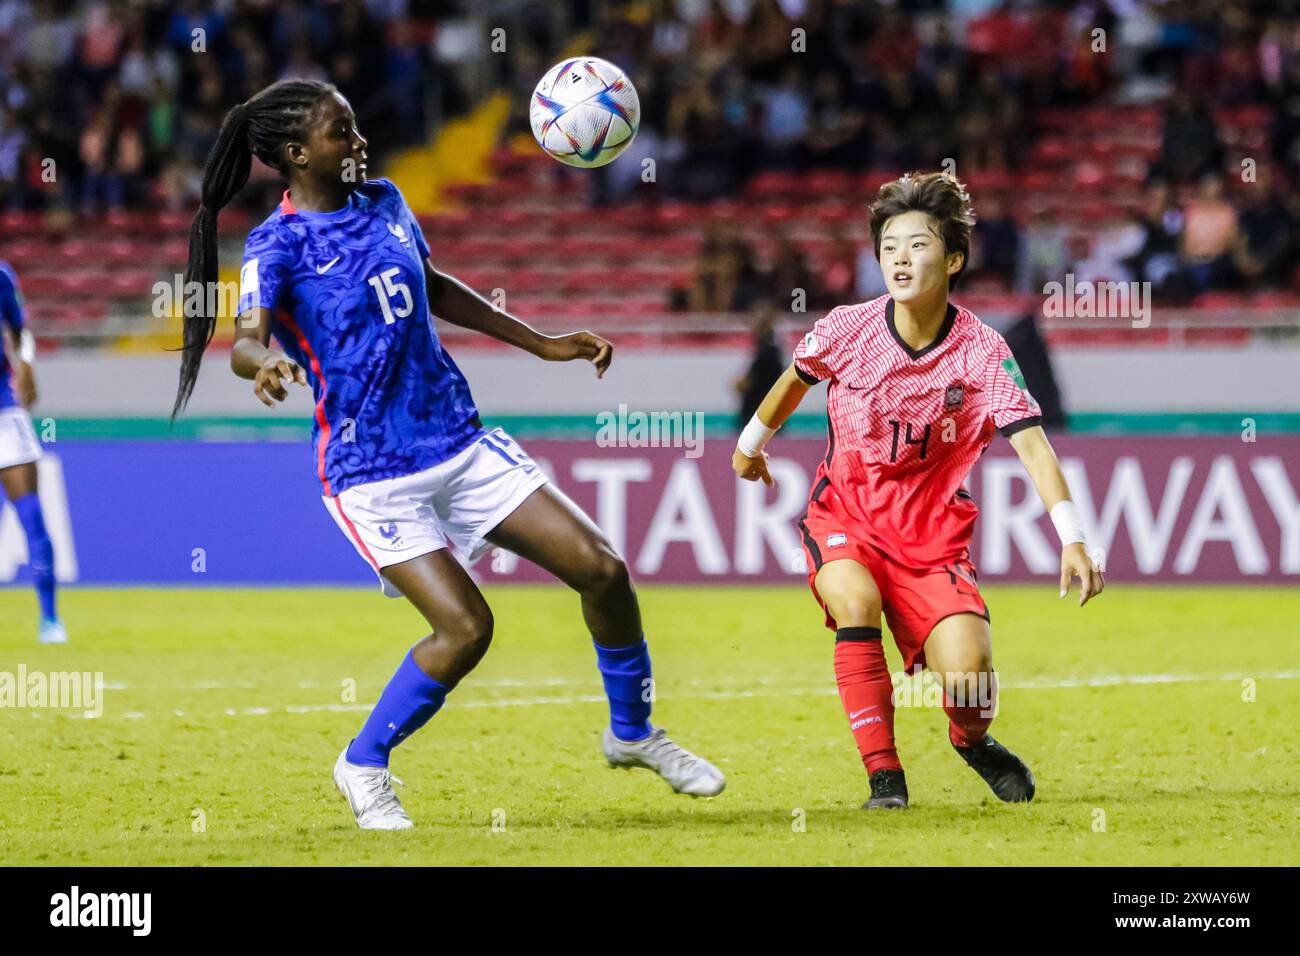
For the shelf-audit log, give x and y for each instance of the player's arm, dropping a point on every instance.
(749, 460)
(250, 357)
(452, 300)
(1039, 459)
(22, 344)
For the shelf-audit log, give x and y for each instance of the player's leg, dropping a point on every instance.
(19, 482)
(554, 533)
(454, 607)
(959, 654)
(852, 599)
(392, 526)
(462, 630)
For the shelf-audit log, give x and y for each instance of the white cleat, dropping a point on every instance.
(369, 792)
(685, 772)
(53, 632)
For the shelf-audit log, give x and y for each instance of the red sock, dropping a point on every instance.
(969, 724)
(867, 695)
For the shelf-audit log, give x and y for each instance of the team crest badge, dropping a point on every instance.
(953, 396)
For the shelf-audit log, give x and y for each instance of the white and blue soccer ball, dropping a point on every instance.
(585, 111)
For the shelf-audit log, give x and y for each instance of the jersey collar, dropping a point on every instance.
(950, 316)
(288, 208)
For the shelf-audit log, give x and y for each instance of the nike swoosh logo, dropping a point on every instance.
(321, 270)
(859, 713)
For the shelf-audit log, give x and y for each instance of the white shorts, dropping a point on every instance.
(18, 443)
(458, 501)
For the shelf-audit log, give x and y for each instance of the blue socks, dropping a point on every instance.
(407, 703)
(412, 697)
(41, 551)
(626, 672)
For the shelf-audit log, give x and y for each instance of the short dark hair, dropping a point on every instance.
(936, 194)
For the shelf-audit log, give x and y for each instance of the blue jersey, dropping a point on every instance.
(11, 317)
(348, 296)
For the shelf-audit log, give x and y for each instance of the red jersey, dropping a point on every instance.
(907, 425)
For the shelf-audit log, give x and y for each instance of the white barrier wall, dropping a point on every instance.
(1256, 379)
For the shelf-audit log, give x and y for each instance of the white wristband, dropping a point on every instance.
(27, 346)
(754, 437)
(1069, 526)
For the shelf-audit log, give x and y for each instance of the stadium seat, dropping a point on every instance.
(1217, 300)
(775, 184)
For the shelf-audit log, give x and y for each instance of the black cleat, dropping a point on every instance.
(888, 791)
(1004, 772)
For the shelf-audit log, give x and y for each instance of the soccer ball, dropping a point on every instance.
(584, 112)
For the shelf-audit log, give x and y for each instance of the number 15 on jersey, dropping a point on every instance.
(385, 288)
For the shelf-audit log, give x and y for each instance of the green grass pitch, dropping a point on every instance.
(225, 709)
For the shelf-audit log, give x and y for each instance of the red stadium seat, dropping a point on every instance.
(1217, 300)
(672, 215)
(728, 211)
(781, 215)
(1059, 118)
(20, 222)
(175, 221)
(984, 181)
(127, 284)
(77, 251)
(831, 184)
(775, 184)
(871, 182)
(1054, 150)
(1197, 336)
(176, 252)
(835, 213)
(41, 284)
(24, 253)
(1276, 299)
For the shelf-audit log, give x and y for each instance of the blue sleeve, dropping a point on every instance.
(11, 298)
(412, 223)
(267, 268)
(418, 233)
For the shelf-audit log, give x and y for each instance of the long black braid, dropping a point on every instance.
(279, 114)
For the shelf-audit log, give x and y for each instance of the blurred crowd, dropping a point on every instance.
(1210, 239)
(111, 103)
(118, 101)
(729, 88)
(725, 95)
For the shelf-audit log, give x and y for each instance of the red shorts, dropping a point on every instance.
(913, 600)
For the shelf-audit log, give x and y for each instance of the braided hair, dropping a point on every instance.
(261, 127)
